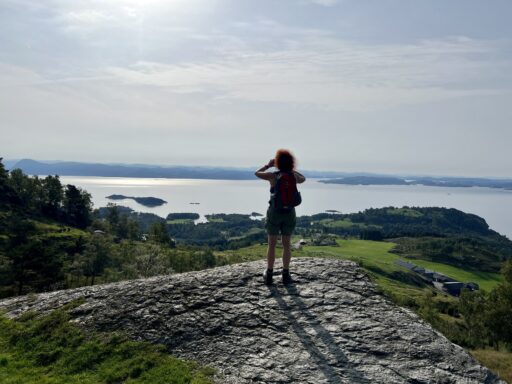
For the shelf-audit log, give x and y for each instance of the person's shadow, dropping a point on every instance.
(298, 312)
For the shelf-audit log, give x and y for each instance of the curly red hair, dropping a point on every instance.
(284, 160)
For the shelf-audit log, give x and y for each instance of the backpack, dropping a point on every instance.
(285, 196)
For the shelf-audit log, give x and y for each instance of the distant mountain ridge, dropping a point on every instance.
(70, 168)
(452, 182)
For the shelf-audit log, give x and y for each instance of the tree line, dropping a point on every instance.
(50, 238)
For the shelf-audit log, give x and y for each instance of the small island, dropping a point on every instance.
(146, 201)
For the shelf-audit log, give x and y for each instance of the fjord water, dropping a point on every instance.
(246, 196)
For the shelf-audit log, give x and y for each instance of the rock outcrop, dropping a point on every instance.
(330, 326)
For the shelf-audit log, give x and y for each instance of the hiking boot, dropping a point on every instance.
(267, 276)
(287, 278)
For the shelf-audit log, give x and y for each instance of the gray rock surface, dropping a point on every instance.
(330, 326)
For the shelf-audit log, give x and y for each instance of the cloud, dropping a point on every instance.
(88, 16)
(325, 3)
(328, 72)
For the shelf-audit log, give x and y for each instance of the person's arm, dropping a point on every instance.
(299, 177)
(265, 175)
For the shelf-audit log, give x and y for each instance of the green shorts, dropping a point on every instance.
(280, 223)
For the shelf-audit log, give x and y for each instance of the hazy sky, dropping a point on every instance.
(394, 86)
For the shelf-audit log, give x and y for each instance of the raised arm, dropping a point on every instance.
(262, 174)
(299, 177)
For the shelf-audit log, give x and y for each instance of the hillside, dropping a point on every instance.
(332, 326)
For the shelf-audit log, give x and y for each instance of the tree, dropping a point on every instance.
(499, 315)
(506, 271)
(77, 207)
(7, 194)
(158, 233)
(151, 260)
(96, 256)
(27, 190)
(34, 264)
(473, 307)
(488, 316)
(112, 215)
(52, 196)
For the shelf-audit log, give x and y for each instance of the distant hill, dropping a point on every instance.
(70, 168)
(367, 180)
(453, 182)
(34, 167)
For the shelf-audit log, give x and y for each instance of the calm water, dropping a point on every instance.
(242, 196)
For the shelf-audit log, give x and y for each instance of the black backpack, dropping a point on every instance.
(285, 196)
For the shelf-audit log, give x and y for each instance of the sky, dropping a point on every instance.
(387, 86)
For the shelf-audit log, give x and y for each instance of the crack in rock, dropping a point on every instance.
(330, 326)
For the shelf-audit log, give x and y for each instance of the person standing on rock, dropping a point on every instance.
(281, 217)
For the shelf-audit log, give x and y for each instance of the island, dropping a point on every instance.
(146, 201)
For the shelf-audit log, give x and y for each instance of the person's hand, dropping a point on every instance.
(271, 163)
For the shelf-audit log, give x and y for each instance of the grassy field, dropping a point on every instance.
(58, 230)
(370, 254)
(180, 221)
(486, 280)
(345, 223)
(499, 362)
(50, 350)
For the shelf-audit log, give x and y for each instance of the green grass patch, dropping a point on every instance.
(57, 230)
(377, 254)
(372, 255)
(250, 232)
(486, 280)
(345, 223)
(241, 255)
(180, 221)
(500, 362)
(50, 350)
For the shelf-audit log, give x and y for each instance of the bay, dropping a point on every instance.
(246, 196)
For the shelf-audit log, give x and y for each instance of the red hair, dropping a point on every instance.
(284, 160)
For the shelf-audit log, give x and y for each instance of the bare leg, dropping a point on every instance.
(287, 251)
(271, 251)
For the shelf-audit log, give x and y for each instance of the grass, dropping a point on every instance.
(373, 255)
(345, 223)
(57, 230)
(497, 361)
(180, 221)
(251, 231)
(377, 254)
(486, 280)
(50, 350)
